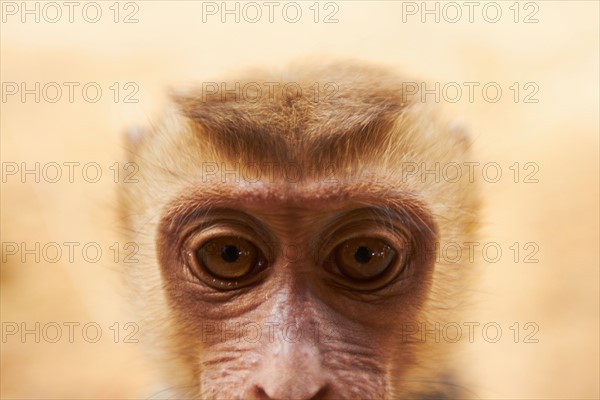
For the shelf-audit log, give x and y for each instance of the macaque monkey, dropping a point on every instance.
(288, 230)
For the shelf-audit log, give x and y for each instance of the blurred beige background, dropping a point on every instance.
(171, 46)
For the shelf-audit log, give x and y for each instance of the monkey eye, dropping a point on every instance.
(229, 257)
(364, 259)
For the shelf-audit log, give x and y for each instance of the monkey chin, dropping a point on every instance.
(287, 234)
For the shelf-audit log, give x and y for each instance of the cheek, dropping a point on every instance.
(235, 356)
(235, 346)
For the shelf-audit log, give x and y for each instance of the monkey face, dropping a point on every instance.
(289, 294)
(289, 255)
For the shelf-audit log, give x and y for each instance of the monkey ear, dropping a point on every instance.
(133, 137)
(459, 129)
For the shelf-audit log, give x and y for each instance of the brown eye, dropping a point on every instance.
(364, 258)
(229, 257)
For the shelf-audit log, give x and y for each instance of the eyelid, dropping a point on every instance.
(204, 218)
(366, 221)
(221, 228)
(395, 240)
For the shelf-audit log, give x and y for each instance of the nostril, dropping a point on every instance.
(321, 394)
(261, 394)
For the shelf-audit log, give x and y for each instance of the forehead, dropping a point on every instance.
(350, 120)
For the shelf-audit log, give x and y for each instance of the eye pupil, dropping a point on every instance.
(229, 257)
(363, 255)
(230, 253)
(364, 258)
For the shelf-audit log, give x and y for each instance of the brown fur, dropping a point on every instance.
(350, 147)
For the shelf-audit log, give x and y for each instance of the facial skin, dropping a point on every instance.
(286, 251)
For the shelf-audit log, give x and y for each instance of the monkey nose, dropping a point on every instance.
(302, 394)
(291, 373)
